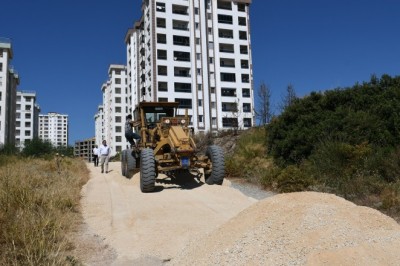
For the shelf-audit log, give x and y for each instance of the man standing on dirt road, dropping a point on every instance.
(96, 156)
(104, 152)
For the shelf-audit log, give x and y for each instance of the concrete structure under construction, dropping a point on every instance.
(197, 53)
(27, 119)
(9, 81)
(53, 127)
(84, 148)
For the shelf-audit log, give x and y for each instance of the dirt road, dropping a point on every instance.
(150, 229)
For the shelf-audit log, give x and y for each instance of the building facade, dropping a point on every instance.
(9, 81)
(99, 125)
(197, 53)
(27, 118)
(53, 127)
(111, 115)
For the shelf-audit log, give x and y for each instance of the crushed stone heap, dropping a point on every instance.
(305, 228)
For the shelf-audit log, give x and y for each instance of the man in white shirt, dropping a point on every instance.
(96, 156)
(104, 153)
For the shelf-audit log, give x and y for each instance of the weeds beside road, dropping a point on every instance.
(39, 205)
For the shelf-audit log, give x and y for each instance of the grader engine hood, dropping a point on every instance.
(180, 140)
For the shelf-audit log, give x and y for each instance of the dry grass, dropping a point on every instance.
(39, 206)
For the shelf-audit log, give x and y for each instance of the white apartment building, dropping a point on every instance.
(9, 81)
(99, 125)
(197, 53)
(53, 127)
(27, 120)
(114, 110)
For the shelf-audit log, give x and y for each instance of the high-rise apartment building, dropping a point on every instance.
(53, 127)
(9, 81)
(197, 53)
(27, 120)
(99, 125)
(112, 114)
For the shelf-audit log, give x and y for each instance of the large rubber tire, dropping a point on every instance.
(123, 162)
(130, 162)
(216, 156)
(147, 171)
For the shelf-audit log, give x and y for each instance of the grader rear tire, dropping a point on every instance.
(147, 171)
(216, 155)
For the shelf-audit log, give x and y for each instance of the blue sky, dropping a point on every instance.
(62, 49)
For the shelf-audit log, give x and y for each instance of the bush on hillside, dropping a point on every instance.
(367, 113)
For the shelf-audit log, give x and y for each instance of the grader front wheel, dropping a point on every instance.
(217, 174)
(147, 170)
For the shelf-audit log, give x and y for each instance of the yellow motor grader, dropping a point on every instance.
(167, 146)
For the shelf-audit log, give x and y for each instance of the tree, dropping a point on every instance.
(263, 113)
(37, 147)
(289, 97)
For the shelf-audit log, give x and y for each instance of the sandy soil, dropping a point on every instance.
(196, 224)
(151, 228)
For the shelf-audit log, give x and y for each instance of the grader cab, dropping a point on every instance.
(167, 146)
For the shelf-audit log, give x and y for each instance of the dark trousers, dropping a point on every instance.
(96, 160)
(130, 136)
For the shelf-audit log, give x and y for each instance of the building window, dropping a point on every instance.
(197, 40)
(183, 87)
(243, 49)
(161, 38)
(199, 87)
(118, 109)
(211, 60)
(227, 48)
(160, 7)
(118, 139)
(227, 62)
(181, 72)
(184, 103)
(161, 23)
(200, 102)
(225, 19)
(227, 5)
(200, 118)
(212, 90)
(118, 119)
(199, 71)
(162, 86)
(180, 25)
(246, 93)
(180, 10)
(229, 122)
(223, 33)
(242, 21)
(242, 35)
(160, 99)
(181, 56)
(241, 7)
(117, 99)
(247, 122)
(244, 63)
(228, 77)
(196, 10)
(245, 78)
(229, 107)
(117, 81)
(213, 105)
(162, 54)
(118, 129)
(228, 92)
(181, 40)
(162, 70)
(118, 148)
(117, 90)
(246, 107)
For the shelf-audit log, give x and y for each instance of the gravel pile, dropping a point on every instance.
(306, 228)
